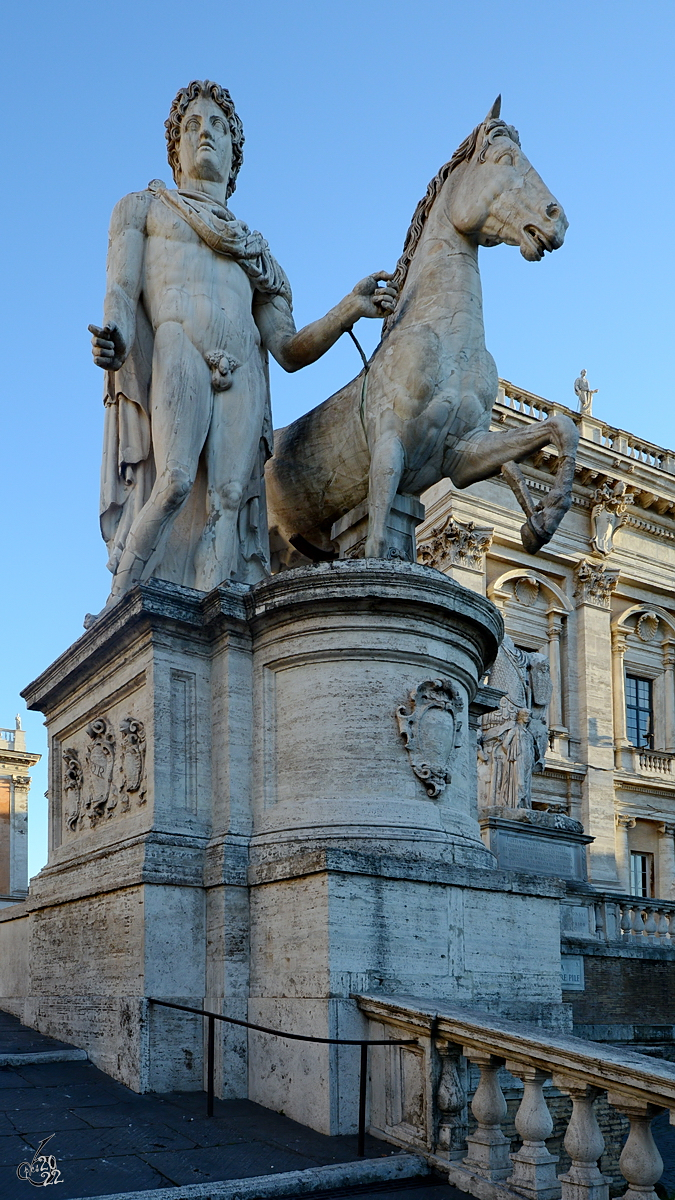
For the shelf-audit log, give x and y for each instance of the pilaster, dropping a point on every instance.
(594, 584)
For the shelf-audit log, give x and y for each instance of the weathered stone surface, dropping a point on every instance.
(194, 303)
(286, 851)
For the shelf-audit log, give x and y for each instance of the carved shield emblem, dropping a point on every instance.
(432, 732)
(100, 761)
(132, 765)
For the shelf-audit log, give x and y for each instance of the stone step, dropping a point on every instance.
(315, 1181)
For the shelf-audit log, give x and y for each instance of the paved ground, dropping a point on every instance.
(109, 1139)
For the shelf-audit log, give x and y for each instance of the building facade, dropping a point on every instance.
(15, 763)
(599, 602)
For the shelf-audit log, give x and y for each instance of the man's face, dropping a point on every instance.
(205, 148)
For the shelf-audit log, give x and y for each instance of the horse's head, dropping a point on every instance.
(495, 195)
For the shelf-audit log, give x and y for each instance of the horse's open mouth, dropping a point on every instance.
(534, 243)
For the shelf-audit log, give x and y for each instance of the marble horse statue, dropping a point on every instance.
(420, 410)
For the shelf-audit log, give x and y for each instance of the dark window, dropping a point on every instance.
(639, 712)
(642, 874)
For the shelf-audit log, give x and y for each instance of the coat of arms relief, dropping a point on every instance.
(108, 775)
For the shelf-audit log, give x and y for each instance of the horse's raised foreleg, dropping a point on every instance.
(386, 468)
(483, 454)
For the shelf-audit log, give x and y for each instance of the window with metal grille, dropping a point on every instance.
(642, 874)
(639, 711)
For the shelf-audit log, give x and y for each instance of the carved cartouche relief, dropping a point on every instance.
(432, 732)
(132, 766)
(100, 762)
(110, 774)
(73, 779)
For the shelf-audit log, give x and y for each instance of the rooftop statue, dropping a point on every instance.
(421, 409)
(194, 302)
(585, 393)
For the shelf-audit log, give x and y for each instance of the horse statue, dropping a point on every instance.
(420, 409)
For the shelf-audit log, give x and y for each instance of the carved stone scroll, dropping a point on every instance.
(100, 761)
(432, 732)
(132, 764)
(73, 779)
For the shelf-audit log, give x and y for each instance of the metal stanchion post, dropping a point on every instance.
(363, 1089)
(209, 1065)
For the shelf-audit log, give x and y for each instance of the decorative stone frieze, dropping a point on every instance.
(455, 543)
(594, 583)
(432, 732)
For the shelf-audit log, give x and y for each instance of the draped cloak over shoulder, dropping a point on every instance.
(127, 470)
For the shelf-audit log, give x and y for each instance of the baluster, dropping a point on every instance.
(584, 1143)
(640, 1162)
(626, 919)
(600, 921)
(488, 1148)
(451, 1102)
(637, 922)
(651, 923)
(533, 1167)
(671, 924)
(662, 928)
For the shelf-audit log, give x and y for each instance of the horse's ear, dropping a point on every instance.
(494, 111)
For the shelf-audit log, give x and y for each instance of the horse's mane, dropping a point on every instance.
(462, 154)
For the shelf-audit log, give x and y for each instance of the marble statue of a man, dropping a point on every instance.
(585, 393)
(194, 302)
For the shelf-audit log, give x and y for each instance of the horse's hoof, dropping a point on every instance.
(532, 538)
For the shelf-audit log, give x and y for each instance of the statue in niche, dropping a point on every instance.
(194, 303)
(513, 741)
(610, 502)
(585, 393)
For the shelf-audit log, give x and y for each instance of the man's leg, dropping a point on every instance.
(231, 452)
(181, 413)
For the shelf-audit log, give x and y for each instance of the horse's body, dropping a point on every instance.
(424, 411)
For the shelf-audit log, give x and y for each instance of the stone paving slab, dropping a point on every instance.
(109, 1141)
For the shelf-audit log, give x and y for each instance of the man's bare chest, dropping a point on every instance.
(176, 256)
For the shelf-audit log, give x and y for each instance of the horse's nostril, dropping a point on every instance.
(553, 211)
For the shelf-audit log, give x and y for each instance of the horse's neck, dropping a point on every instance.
(443, 282)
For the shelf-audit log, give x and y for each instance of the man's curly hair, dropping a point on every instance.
(205, 87)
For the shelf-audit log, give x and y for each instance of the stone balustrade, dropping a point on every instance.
(8, 736)
(654, 762)
(624, 443)
(419, 1100)
(608, 917)
(618, 441)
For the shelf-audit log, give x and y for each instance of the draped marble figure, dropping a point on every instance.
(513, 740)
(194, 303)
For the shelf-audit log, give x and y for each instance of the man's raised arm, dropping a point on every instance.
(293, 349)
(112, 342)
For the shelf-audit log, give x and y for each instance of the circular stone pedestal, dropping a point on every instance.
(364, 674)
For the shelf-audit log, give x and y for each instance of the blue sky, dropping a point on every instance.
(348, 109)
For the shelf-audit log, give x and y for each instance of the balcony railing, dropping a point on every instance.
(419, 1100)
(616, 440)
(655, 762)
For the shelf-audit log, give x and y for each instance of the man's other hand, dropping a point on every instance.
(107, 346)
(370, 300)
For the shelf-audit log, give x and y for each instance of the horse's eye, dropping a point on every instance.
(506, 158)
